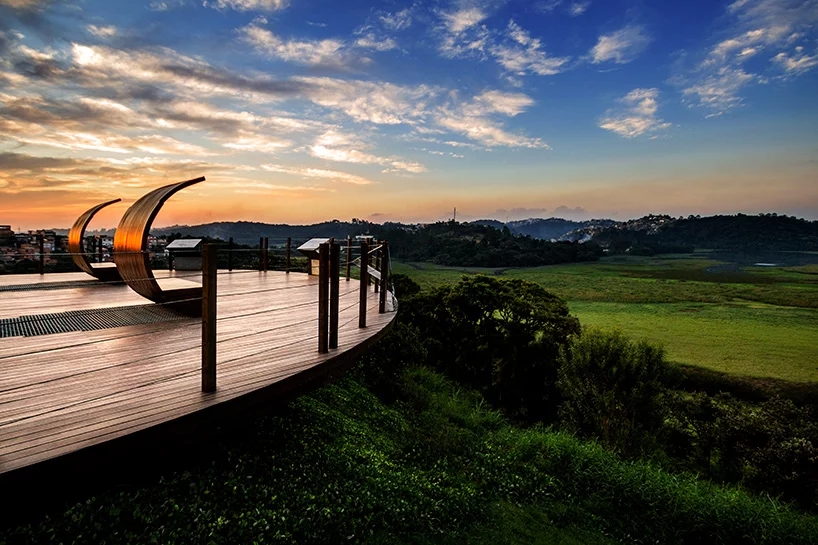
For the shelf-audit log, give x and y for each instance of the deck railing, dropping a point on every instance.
(373, 261)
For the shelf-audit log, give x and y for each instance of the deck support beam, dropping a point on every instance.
(209, 318)
(323, 298)
(384, 276)
(334, 292)
(364, 284)
(349, 256)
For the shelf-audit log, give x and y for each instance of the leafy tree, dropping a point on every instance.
(501, 336)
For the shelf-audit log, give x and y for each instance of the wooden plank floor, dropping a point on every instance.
(61, 393)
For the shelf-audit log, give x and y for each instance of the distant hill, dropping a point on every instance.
(445, 243)
(749, 234)
(549, 228)
(649, 234)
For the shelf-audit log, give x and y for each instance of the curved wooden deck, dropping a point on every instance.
(61, 393)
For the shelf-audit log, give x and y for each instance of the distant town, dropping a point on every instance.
(20, 251)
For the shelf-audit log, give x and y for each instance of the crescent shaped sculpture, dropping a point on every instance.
(76, 240)
(131, 249)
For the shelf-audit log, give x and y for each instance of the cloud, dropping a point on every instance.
(458, 21)
(102, 31)
(779, 28)
(334, 146)
(249, 5)
(547, 6)
(310, 52)
(400, 20)
(373, 102)
(796, 63)
(621, 46)
(462, 34)
(568, 211)
(522, 54)
(578, 8)
(309, 172)
(636, 116)
(165, 5)
(370, 40)
(473, 119)
(490, 102)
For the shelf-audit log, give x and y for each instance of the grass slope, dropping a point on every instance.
(744, 339)
(435, 467)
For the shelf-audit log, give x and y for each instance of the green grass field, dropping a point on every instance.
(759, 322)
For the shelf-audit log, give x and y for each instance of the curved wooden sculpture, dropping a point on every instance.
(131, 249)
(76, 243)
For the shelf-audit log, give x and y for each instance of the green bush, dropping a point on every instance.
(612, 388)
(500, 336)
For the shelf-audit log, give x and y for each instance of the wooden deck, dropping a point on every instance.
(61, 393)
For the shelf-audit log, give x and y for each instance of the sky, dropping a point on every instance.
(299, 111)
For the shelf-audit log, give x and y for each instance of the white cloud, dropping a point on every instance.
(462, 19)
(621, 46)
(373, 102)
(309, 172)
(796, 63)
(547, 6)
(490, 102)
(719, 90)
(636, 116)
(780, 27)
(310, 52)
(487, 132)
(334, 146)
(102, 31)
(258, 143)
(471, 119)
(523, 54)
(578, 8)
(400, 20)
(369, 40)
(249, 5)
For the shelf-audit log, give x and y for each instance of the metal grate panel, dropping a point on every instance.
(86, 320)
(55, 285)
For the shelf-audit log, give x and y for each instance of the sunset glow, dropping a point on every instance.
(307, 110)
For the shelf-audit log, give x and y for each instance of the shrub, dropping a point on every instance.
(611, 389)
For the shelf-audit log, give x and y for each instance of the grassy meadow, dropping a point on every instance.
(712, 310)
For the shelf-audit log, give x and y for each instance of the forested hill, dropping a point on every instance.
(761, 233)
(548, 228)
(444, 243)
(474, 245)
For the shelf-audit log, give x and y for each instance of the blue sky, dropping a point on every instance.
(305, 110)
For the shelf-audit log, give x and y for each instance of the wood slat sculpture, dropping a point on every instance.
(131, 250)
(76, 246)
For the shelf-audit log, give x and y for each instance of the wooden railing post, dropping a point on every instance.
(287, 256)
(376, 260)
(209, 318)
(364, 292)
(349, 256)
(384, 276)
(260, 253)
(323, 298)
(334, 292)
(266, 253)
(230, 254)
(41, 240)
